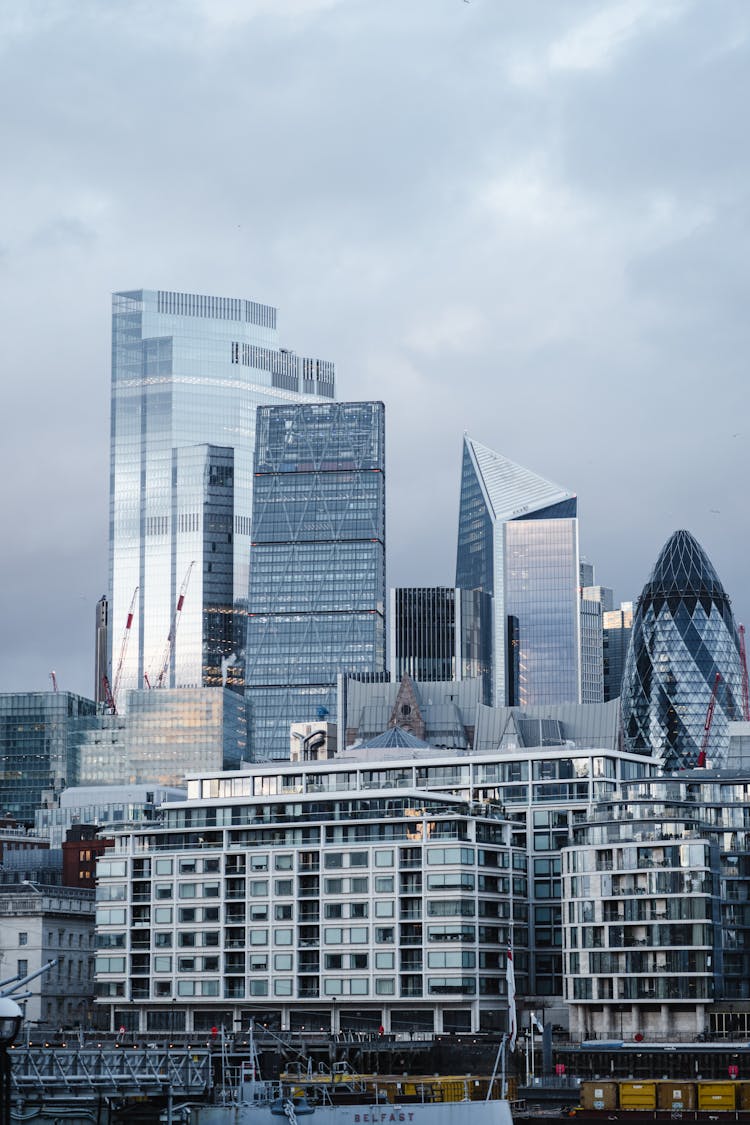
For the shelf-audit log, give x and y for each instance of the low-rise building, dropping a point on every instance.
(39, 924)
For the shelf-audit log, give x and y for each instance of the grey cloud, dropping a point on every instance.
(486, 232)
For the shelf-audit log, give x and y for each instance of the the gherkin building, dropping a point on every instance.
(683, 634)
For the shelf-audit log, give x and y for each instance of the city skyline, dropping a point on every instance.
(533, 232)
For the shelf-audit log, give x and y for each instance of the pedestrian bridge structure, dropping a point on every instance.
(110, 1070)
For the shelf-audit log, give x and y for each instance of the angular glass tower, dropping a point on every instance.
(518, 541)
(188, 373)
(683, 635)
(317, 565)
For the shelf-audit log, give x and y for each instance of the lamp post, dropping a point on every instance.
(10, 1022)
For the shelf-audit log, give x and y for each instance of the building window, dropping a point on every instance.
(23, 938)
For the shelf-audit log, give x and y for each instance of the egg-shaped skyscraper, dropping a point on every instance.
(683, 634)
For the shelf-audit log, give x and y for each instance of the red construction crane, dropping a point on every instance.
(709, 720)
(111, 696)
(169, 648)
(743, 663)
(108, 697)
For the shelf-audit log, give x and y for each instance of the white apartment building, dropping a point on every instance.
(379, 889)
(40, 924)
(302, 902)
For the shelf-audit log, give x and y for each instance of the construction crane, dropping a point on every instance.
(110, 696)
(169, 647)
(708, 722)
(743, 663)
(109, 701)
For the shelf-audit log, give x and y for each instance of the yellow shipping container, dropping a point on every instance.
(675, 1094)
(717, 1095)
(599, 1095)
(637, 1095)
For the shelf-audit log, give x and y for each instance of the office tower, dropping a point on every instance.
(317, 572)
(188, 373)
(101, 648)
(684, 635)
(40, 733)
(440, 633)
(164, 736)
(617, 625)
(518, 541)
(592, 663)
(594, 601)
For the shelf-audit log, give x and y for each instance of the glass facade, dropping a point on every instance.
(164, 736)
(39, 747)
(617, 627)
(188, 373)
(317, 575)
(683, 635)
(518, 541)
(440, 633)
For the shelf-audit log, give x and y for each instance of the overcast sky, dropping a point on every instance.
(529, 220)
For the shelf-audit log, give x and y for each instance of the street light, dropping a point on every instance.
(10, 1022)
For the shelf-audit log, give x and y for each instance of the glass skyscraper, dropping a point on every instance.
(317, 570)
(518, 541)
(440, 633)
(188, 373)
(683, 635)
(40, 733)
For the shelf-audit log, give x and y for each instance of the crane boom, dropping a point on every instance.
(112, 697)
(708, 722)
(169, 647)
(743, 662)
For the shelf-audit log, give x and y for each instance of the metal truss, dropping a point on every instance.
(110, 1070)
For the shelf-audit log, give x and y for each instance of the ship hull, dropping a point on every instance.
(419, 1113)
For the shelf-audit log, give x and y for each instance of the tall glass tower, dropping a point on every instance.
(440, 633)
(188, 372)
(518, 541)
(683, 636)
(317, 565)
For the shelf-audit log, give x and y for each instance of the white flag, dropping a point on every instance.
(511, 979)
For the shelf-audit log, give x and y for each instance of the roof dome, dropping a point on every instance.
(683, 568)
(395, 737)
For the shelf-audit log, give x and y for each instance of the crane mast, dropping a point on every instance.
(110, 694)
(708, 722)
(743, 662)
(169, 647)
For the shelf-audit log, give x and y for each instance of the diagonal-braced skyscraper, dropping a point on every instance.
(188, 373)
(684, 647)
(518, 541)
(317, 565)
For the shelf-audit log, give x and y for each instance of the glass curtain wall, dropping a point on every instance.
(317, 577)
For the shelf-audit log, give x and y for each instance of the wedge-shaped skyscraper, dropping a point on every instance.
(683, 636)
(518, 541)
